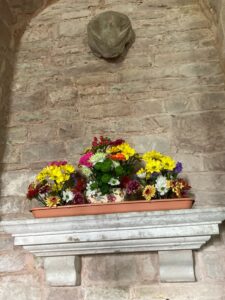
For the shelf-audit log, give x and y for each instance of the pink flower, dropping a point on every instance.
(84, 160)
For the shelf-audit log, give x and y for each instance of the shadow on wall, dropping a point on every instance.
(14, 18)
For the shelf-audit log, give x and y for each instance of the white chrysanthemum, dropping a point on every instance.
(67, 196)
(97, 157)
(91, 193)
(141, 175)
(86, 171)
(161, 185)
(114, 181)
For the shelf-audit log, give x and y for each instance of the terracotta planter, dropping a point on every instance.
(109, 208)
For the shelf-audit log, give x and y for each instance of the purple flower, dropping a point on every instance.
(178, 167)
(78, 198)
(132, 187)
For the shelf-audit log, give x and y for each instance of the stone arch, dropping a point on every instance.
(156, 98)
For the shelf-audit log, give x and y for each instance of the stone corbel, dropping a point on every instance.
(63, 270)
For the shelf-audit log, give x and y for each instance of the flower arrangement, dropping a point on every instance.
(109, 171)
(159, 177)
(57, 184)
(107, 166)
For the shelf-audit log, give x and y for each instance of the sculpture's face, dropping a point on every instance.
(109, 33)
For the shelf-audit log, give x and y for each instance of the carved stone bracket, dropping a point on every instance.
(61, 241)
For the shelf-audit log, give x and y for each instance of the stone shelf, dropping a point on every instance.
(61, 241)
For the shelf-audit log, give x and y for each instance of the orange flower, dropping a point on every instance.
(118, 156)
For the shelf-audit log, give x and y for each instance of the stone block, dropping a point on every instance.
(43, 152)
(42, 132)
(106, 110)
(15, 204)
(6, 242)
(143, 143)
(190, 162)
(13, 135)
(59, 293)
(202, 182)
(12, 261)
(179, 291)
(15, 183)
(72, 28)
(66, 96)
(147, 107)
(76, 147)
(40, 31)
(63, 270)
(209, 199)
(195, 133)
(214, 162)
(97, 293)
(119, 270)
(214, 265)
(126, 125)
(21, 101)
(20, 287)
(208, 54)
(110, 270)
(11, 154)
(64, 115)
(71, 130)
(21, 118)
(176, 266)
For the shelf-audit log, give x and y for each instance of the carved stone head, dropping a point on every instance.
(109, 33)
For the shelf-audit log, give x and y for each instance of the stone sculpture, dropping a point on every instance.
(109, 33)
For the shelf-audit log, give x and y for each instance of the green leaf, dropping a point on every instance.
(106, 166)
(105, 178)
(119, 171)
(94, 186)
(98, 166)
(105, 189)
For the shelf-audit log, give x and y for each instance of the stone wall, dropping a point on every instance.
(164, 94)
(215, 12)
(167, 93)
(6, 68)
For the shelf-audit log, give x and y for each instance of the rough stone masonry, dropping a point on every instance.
(167, 94)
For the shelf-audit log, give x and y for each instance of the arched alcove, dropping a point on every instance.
(168, 93)
(165, 94)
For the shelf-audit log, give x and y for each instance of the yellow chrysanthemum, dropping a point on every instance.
(168, 163)
(58, 174)
(149, 192)
(153, 166)
(152, 155)
(68, 168)
(52, 201)
(124, 148)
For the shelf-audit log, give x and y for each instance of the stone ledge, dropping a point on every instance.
(169, 232)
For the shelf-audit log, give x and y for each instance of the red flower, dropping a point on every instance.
(33, 191)
(103, 141)
(124, 181)
(80, 185)
(117, 142)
